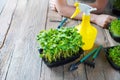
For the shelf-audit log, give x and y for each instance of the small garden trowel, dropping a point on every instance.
(96, 51)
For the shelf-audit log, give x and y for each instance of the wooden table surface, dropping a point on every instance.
(20, 22)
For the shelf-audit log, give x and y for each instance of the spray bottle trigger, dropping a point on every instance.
(77, 11)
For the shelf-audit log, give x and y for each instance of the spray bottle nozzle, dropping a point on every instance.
(81, 7)
(93, 9)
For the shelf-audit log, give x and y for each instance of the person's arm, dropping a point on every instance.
(67, 10)
(64, 9)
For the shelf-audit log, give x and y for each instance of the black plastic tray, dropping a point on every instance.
(109, 59)
(116, 11)
(63, 61)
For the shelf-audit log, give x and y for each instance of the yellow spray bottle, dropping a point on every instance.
(86, 30)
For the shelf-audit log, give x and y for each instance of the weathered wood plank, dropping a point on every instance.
(56, 72)
(2, 4)
(26, 62)
(6, 19)
(78, 74)
(5, 60)
(20, 60)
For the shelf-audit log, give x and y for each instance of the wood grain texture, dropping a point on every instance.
(20, 22)
(56, 72)
(20, 59)
(2, 5)
(6, 19)
(25, 58)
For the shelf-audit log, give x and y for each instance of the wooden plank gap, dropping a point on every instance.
(41, 68)
(47, 16)
(4, 2)
(5, 64)
(86, 72)
(9, 65)
(9, 26)
(63, 73)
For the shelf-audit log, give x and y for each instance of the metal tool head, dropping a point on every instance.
(73, 67)
(89, 63)
(40, 50)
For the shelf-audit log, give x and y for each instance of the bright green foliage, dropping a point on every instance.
(116, 4)
(115, 27)
(114, 54)
(59, 43)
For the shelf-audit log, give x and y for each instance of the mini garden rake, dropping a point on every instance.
(91, 63)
